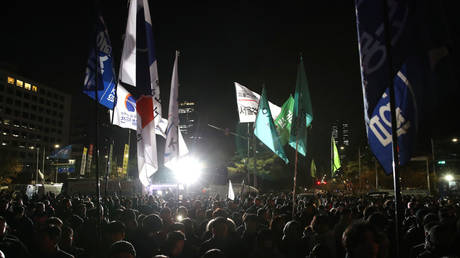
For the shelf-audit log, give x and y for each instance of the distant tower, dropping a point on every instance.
(188, 121)
(341, 134)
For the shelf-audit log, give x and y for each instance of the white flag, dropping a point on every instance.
(172, 137)
(248, 103)
(125, 109)
(128, 58)
(231, 194)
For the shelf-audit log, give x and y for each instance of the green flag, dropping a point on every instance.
(265, 128)
(313, 169)
(284, 119)
(335, 160)
(302, 114)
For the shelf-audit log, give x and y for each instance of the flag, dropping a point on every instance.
(124, 113)
(284, 120)
(83, 161)
(313, 169)
(138, 68)
(379, 133)
(125, 117)
(172, 137)
(335, 159)
(90, 159)
(62, 153)
(248, 102)
(372, 49)
(100, 56)
(138, 50)
(265, 128)
(302, 114)
(231, 194)
(417, 32)
(125, 160)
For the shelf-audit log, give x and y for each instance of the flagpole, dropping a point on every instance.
(254, 151)
(394, 136)
(295, 175)
(248, 176)
(96, 130)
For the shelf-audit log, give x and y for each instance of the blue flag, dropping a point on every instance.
(265, 128)
(63, 153)
(379, 133)
(373, 52)
(106, 79)
(414, 32)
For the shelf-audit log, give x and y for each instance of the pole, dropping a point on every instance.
(433, 157)
(254, 151)
(359, 168)
(36, 172)
(428, 175)
(295, 175)
(43, 163)
(394, 136)
(248, 177)
(96, 131)
(376, 175)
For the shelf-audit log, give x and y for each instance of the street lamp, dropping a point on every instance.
(56, 146)
(455, 140)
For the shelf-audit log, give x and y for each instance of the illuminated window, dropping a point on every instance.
(19, 83)
(10, 80)
(27, 86)
(34, 88)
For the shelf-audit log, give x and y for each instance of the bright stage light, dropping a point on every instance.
(448, 177)
(187, 170)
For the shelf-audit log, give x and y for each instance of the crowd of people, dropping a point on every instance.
(199, 225)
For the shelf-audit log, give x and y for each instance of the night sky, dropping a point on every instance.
(221, 42)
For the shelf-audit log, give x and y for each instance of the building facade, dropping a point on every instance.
(188, 121)
(341, 134)
(32, 116)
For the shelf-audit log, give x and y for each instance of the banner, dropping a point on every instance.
(62, 153)
(248, 103)
(83, 162)
(90, 158)
(125, 160)
(101, 59)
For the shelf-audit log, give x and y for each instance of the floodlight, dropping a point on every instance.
(187, 170)
(448, 177)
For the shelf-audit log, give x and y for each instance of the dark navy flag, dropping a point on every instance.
(106, 79)
(373, 52)
(379, 131)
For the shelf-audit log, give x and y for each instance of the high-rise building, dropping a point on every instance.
(341, 134)
(32, 116)
(188, 121)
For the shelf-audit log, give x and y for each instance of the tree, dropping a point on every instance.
(10, 167)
